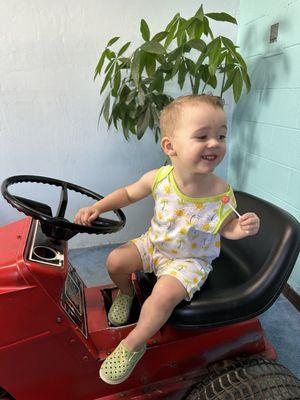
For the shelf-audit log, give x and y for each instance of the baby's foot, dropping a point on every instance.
(118, 366)
(120, 309)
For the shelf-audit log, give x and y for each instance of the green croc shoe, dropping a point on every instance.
(117, 367)
(119, 312)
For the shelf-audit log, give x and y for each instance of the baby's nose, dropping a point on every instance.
(212, 142)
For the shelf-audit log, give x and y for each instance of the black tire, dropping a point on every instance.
(4, 395)
(247, 379)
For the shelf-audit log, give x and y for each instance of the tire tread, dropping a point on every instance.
(247, 379)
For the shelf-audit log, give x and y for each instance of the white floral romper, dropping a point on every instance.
(183, 238)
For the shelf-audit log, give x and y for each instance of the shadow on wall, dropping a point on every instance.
(254, 109)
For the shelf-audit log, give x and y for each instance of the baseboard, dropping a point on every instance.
(292, 296)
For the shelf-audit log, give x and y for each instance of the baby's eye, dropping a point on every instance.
(202, 137)
(222, 137)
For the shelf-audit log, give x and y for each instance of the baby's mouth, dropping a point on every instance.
(209, 157)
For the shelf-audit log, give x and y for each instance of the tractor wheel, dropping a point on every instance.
(4, 395)
(247, 379)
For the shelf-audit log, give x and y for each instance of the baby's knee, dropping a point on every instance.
(168, 297)
(114, 262)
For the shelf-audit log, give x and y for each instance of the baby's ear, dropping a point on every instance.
(167, 146)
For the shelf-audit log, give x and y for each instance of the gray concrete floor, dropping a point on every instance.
(281, 321)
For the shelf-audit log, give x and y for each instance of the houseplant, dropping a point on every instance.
(135, 85)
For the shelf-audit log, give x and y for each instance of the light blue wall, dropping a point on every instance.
(265, 145)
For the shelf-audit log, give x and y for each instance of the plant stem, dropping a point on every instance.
(222, 85)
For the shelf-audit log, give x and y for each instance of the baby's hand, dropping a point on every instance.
(86, 215)
(249, 223)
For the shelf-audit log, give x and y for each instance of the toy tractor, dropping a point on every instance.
(55, 332)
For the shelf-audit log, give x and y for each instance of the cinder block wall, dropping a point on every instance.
(265, 145)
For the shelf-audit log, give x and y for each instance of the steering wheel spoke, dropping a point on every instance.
(42, 207)
(63, 201)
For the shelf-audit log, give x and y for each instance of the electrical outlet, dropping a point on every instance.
(274, 32)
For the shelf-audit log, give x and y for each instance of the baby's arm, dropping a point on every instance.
(119, 198)
(238, 228)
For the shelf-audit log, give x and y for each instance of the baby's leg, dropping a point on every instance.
(121, 262)
(167, 293)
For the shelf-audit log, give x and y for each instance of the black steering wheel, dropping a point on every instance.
(58, 227)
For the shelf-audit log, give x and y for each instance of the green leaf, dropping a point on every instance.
(109, 65)
(205, 26)
(166, 66)
(196, 29)
(230, 78)
(143, 123)
(197, 44)
(107, 78)
(214, 51)
(131, 125)
(172, 22)
(200, 14)
(125, 126)
(113, 40)
(158, 82)
(177, 53)
(227, 68)
(123, 94)
(110, 54)
(175, 67)
(100, 64)
(106, 108)
(181, 33)
(141, 97)
(117, 81)
(241, 61)
(131, 96)
(237, 85)
(153, 47)
(200, 60)
(135, 66)
(190, 66)
(170, 36)
(160, 36)
(123, 48)
(155, 114)
(212, 82)
(143, 56)
(229, 45)
(112, 114)
(212, 69)
(150, 64)
(222, 17)
(181, 75)
(145, 31)
(246, 79)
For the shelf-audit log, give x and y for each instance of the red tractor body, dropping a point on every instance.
(55, 332)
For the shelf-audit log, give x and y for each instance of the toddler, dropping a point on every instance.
(184, 236)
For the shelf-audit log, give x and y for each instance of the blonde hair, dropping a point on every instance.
(171, 113)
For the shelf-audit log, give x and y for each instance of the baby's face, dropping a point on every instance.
(199, 138)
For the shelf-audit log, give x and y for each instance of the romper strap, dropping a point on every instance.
(161, 174)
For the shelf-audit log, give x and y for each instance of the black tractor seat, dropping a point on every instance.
(249, 274)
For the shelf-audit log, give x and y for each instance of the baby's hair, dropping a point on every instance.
(169, 116)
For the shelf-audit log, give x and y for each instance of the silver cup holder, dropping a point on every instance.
(46, 253)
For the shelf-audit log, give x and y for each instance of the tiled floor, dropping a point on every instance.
(281, 322)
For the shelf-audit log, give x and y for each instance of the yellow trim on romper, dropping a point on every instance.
(168, 171)
(196, 199)
(222, 216)
(160, 175)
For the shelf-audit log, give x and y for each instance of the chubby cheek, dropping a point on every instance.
(223, 151)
